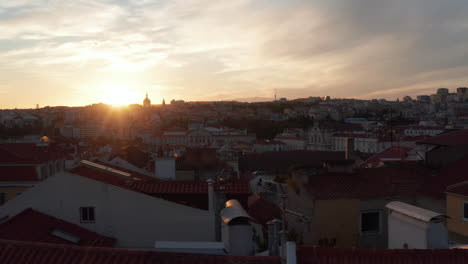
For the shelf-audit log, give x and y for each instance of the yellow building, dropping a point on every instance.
(457, 210)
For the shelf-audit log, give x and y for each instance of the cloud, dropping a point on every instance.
(358, 48)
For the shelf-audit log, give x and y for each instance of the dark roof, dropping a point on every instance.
(17, 252)
(456, 176)
(459, 188)
(18, 173)
(262, 210)
(34, 226)
(381, 182)
(393, 179)
(195, 159)
(284, 160)
(315, 255)
(28, 153)
(459, 137)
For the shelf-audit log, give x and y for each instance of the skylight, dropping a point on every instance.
(105, 168)
(66, 236)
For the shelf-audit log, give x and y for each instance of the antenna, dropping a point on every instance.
(275, 94)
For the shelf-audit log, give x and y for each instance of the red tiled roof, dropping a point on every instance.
(18, 173)
(17, 252)
(393, 152)
(315, 255)
(34, 226)
(459, 137)
(155, 186)
(262, 210)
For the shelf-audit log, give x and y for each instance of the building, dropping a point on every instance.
(412, 227)
(105, 204)
(457, 210)
(146, 102)
(22, 165)
(361, 197)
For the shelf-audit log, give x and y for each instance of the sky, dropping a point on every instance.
(79, 52)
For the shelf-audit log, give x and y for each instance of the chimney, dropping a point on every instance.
(291, 253)
(274, 228)
(165, 168)
(211, 201)
(349, 148)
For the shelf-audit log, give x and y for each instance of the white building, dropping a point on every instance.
(135, 219)
(413, 227)
(415, 131)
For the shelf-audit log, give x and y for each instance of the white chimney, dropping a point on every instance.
(291, 253)
(165, 168)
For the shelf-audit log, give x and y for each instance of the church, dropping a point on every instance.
(147, 102)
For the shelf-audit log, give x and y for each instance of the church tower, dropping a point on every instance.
(147, 101)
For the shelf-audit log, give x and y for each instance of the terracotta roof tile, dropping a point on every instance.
(16, 252)
(155, 186)
(31, 225)
(315, 255)
(459, 137)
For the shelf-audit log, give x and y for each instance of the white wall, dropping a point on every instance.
(136, 220)
(403, 229)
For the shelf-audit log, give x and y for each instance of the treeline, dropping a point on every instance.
(267, 129)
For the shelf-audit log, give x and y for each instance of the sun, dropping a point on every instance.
(117, 95)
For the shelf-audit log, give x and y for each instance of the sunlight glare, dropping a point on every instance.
(118, 95)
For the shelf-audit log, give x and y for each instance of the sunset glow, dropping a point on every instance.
(227, 50)
(118, 95)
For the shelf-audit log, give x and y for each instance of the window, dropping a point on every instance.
(87, 215)
(2, 198)
(465, 211)
(370, 222)
(43, 172)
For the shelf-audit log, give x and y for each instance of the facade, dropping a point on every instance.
(348, 209)
(22, 165)
(202, 137)
(457, 210)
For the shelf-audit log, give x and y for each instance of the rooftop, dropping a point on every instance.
(315, 255)
(34, 226)
(17, 252)
(459, 137)
(414, 211)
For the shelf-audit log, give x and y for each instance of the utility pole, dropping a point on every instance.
(284, 232)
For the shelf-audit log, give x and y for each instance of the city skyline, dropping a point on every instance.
(114, 51)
